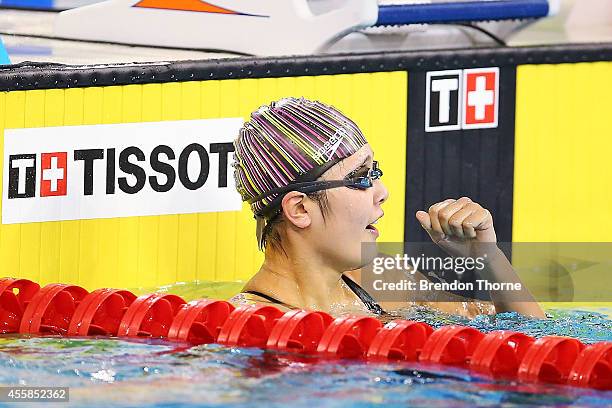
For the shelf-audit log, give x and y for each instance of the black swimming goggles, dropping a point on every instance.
(360, 180)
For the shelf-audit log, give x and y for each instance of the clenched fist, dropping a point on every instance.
(458, 225)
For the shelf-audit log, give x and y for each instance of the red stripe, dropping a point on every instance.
(185, 5)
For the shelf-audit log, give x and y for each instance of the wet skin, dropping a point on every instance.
(317, 247)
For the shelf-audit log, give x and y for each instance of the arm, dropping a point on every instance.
(499, 269)
(463, 228)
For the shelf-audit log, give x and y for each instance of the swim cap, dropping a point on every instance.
(290, 140)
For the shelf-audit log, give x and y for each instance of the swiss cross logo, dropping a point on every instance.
(462, 99)
(480, 98)
(54, 174)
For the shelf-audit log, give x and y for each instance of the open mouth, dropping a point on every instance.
(371, 226)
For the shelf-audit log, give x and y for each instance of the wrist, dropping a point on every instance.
(494, 255)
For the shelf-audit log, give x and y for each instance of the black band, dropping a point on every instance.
(31, 75)
(268, 298)
(306, 187)
(305, 178)
(364, 296)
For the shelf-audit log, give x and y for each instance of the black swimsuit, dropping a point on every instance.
(364, 296)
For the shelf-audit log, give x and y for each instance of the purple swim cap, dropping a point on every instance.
(290, 139)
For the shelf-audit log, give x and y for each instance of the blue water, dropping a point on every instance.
(101, 372)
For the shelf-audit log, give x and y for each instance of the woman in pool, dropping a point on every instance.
(314, 186)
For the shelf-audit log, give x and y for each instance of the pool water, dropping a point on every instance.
(102, 371)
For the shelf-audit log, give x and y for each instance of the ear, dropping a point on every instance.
(295, 209)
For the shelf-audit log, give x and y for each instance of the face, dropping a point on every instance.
(351, 214)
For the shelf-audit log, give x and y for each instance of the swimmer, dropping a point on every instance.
(315, 188)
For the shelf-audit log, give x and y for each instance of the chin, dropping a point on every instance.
(370, 236)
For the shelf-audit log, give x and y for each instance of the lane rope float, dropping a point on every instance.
(61, 309)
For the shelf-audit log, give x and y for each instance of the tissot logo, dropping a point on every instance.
(462, 99)
(102, 171)
(54, 169)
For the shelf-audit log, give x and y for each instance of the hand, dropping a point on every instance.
(458, 226)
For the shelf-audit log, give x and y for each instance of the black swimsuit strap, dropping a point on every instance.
(269, 298)
(364, 296)
(361, 293)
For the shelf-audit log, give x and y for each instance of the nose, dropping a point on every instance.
(381, 194)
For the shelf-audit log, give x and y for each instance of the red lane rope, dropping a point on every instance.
(71, 310)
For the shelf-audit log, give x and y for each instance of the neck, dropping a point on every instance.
(299, 278)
